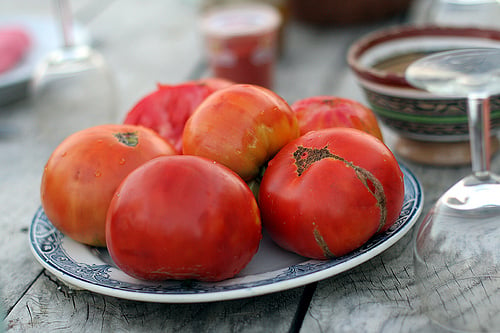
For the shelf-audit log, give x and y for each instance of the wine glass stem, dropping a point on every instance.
(479, 132)
(65, 16)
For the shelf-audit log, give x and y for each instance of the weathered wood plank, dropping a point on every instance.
(51, 306)
(19, 196)
(18, 178)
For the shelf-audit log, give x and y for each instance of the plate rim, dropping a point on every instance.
(238, 293)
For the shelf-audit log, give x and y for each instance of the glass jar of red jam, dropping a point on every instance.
(241, 42)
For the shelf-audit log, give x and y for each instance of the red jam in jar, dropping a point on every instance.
(242, 42)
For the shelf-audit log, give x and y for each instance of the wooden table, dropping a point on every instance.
(157, 41)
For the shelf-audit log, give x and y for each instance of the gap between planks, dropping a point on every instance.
(303, 306)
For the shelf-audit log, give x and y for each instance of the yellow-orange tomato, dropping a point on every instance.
(241, 126)
(84, 171)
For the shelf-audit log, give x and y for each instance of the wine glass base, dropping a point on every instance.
(457, 257)
(457, 249)
(460, 314)
(438, 153)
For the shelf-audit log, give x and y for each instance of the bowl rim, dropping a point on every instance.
(377, 37)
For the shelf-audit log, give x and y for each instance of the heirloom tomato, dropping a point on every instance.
(328, 192)
(84, 171)
(320, 112)
(167, 109)
(183, 217)
(242, 127)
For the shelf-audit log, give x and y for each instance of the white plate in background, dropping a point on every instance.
(45, 36)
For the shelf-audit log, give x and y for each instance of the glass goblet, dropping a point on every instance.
(72, 87)
(457, 247)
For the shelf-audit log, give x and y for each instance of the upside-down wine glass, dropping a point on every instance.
(72, 88)
(457, 247)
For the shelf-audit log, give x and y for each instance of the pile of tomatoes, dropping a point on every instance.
(169, 191)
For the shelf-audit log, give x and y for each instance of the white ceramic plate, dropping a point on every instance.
(271, 270)
(45, 37)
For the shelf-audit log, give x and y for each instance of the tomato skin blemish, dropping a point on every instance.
(336, 188)
(305, 157)
(322, 244)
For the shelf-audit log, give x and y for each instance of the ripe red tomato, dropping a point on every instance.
(320, 112)
(242, 127)
(183, 217)
(328, 192)
(84, 171)
(167, 109)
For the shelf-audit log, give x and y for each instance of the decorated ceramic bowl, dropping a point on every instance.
(379, 60)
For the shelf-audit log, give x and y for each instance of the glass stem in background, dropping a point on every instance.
(479, 134)
(63, 11)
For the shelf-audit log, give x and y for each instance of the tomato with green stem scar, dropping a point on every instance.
(84, 171)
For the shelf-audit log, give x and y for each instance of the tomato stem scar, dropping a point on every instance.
(305, 157)
(130, 139)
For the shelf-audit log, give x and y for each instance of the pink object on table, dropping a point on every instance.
(14, 44)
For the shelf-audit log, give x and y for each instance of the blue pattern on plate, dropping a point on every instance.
(47, 245)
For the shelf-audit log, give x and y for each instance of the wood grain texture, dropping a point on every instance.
(51, 305)
(158, 41)
(19, 176)
(378, 296)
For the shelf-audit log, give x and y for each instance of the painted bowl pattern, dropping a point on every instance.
(411, 112)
